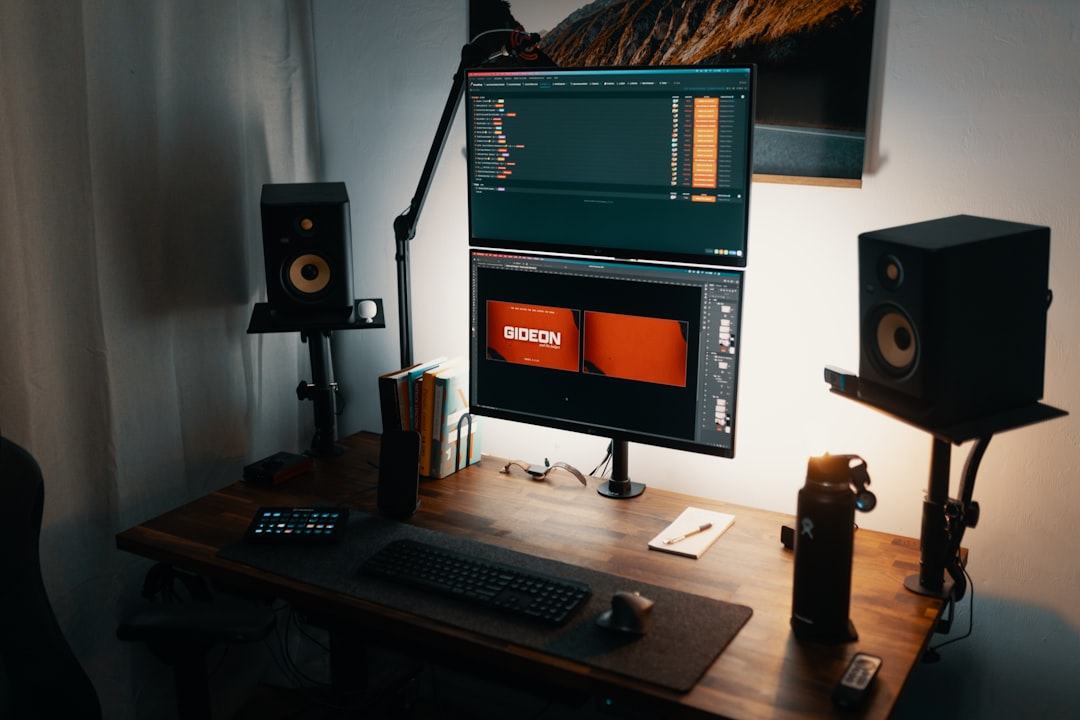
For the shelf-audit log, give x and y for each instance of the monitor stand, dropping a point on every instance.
(620, 486)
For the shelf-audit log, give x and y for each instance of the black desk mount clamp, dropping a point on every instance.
(322, 390)
(945, 519)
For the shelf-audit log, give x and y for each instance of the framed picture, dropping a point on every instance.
(813, 63)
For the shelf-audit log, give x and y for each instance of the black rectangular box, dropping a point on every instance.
(277, 468)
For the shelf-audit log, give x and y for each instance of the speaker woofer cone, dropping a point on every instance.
(896, 344)
(308, 274)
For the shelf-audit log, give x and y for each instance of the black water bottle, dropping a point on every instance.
(824, 542)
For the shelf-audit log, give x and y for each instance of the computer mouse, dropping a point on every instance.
(631, 612)
(367, 310)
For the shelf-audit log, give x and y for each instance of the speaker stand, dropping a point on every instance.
(945, 519)
(322, 390)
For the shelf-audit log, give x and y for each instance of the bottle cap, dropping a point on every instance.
(832, 472)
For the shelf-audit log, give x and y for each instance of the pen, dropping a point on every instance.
(680, 538)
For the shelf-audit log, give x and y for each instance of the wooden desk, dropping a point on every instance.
(764, 672)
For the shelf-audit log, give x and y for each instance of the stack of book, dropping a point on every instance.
(432, 399)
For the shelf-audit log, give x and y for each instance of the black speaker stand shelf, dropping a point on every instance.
(944, 519)
(266, 320)
(322, 390)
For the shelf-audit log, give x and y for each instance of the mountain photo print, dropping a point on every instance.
(813, 61)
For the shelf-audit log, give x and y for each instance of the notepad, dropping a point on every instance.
(689, 521)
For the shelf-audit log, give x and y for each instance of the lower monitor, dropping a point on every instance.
(636, 352)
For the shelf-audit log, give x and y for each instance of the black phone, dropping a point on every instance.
(399, 473)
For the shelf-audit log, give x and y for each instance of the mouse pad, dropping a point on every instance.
(688, 631)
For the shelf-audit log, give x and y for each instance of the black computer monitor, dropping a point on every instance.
(636, 352)
(647, 163)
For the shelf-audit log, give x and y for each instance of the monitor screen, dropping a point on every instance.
(648, 163)
(635, 352)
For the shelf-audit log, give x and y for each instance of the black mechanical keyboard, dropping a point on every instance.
(483, 582)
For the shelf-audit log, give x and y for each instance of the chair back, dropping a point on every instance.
(40, 677)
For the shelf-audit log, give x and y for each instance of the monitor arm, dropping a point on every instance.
(473, 54)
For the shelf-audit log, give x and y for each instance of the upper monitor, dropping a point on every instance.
(649, 163)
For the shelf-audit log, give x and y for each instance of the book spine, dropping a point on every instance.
(438, 415)
(416, 387)
(427, 403)
(404, 403)
(411, 393)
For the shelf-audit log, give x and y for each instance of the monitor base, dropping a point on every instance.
(620, 490)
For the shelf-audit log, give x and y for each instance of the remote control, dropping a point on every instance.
(297, 525)
(854, 684)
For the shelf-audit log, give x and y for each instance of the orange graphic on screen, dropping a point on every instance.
(636, 348)
(706, 142)
(533, 335)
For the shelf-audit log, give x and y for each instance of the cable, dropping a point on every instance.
(306, 685)
(492, 31)
(283, 658)
(539, 473)
(971, 616)
(335, 388)
(295, 623)
(603, 463)
(212, 672)
(340, 395)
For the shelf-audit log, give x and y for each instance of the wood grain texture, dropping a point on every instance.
(764, 672)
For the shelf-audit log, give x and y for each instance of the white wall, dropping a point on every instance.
(975, 109)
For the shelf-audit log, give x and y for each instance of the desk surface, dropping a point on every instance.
(764, 672)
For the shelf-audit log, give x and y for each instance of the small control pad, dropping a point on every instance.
(854, 684)
(297, 525)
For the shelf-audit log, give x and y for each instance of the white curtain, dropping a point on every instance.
(135, 137)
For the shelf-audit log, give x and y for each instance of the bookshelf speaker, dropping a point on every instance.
(953, 317)
(307, 250)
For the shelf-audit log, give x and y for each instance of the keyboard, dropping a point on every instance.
(297, 525)
(480, 582)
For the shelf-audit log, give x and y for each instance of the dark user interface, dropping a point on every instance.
(645, 352)
(641, 163)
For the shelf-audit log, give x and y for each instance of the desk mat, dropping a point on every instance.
(688, 631)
